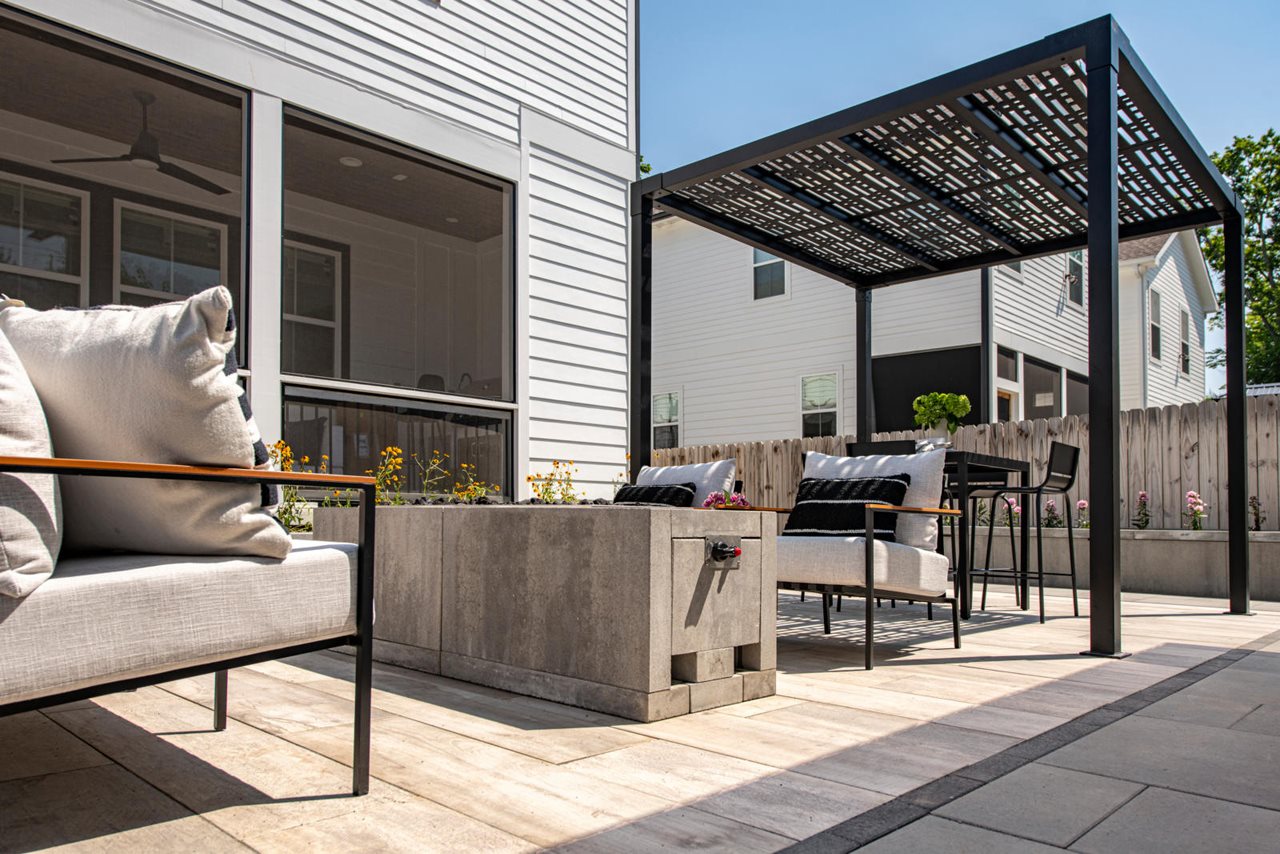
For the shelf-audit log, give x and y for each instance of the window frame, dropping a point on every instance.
(1184, 344)
(65, 278)
(786, 277)
(1074, 257)
(339, 318)
(118, 207)
(833, 372)
(1155, 328)
(678, 423)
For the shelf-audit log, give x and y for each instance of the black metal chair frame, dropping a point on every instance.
(362, 639)
(1058, 480)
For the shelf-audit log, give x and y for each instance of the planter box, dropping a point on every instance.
(1178, 563)
(616, 609)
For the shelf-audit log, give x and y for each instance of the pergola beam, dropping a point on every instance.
(767, 179)
(757, 238)
(988, 126)
(878, 161)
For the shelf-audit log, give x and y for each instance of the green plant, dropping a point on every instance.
(469, 490)
(432, 472)
(1052, 517)
(387, 481)
(338, 497)
(941, 406)
(557, 486)
(1142, 518)
(1256, 516)
(1194, 515)
(292, 507)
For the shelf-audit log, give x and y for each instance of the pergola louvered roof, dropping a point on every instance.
(982, 166)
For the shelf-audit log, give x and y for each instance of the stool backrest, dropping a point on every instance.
(891, 447)
(1063, 462)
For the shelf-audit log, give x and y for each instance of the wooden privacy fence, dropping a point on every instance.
(1165, 452)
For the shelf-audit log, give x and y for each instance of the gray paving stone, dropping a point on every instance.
(1053, 805)
(1265, 720)
(1160, 821)
(939, 834)
(1239, 766)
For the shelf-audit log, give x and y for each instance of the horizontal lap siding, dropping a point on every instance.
(1173, 281)
(738, 361)
(1036, 309)
(577, 320)
(933, 314)
(473, 63)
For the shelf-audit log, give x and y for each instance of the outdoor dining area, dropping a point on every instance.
(671, 670)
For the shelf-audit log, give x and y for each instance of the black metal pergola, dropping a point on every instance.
(1066, 143)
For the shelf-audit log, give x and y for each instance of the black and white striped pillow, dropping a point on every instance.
(669, 494)
(261, 457)
(836, 507)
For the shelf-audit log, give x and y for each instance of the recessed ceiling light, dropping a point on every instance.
(451, 219)
(351, 161)
(399, 177)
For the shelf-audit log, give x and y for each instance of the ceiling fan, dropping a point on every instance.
(145, 153)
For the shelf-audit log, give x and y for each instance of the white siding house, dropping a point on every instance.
(735, 342)
(443, 185)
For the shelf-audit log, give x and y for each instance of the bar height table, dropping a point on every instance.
(967, 472)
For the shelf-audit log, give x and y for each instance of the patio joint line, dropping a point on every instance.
(907, 808)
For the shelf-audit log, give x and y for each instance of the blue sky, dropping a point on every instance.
(718, 73)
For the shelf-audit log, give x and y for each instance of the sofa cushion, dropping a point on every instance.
(670, 495)
(111, 617)
(706, 477)
(157, 385)
(925, 490)
(837, 507)
(842, 560)
(30, 527)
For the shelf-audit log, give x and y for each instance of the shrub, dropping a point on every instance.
(941, 406)
(1142, 516)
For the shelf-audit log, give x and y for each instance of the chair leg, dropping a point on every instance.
(840, 602)
(991, 528)
(1013, 556)
(1040, 553)
(869, 658)
(1071, 553)
(363, 718)
(826, 613)
(220, 701)
(801, 595)
(955, 621)
(929, 609)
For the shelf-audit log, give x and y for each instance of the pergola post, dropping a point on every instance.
(1237, 431)
(865, 415)
(641, 350)
(1102, 60)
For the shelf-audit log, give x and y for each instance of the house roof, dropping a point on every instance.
(1143, 247)
(982, 166)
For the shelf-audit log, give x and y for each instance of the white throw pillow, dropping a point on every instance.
(30, 523)
(707, 477)
(156, 385)
(925, 490)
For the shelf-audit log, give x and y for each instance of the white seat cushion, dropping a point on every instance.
(111, 617)
(706, 477)
(841, 560)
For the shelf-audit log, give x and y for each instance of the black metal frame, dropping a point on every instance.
(1084, 196)
(362, 639)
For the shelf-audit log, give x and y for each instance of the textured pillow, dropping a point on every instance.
(30, 527)
(837, 507)
(671, 494)
(157, 385)
(706, 477)
(925, 469)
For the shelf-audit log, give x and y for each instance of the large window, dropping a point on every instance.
(351, 430)
(768, 275)
(1042, 389)
(429, 280)
(819, 405)
(1077, 394)
(43, 240)
(1156, 327)
(1075, 277)
(666, 420)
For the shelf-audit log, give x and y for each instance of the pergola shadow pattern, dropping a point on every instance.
(1006, 159)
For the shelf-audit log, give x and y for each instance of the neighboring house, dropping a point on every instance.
(420, 208)
(747, 347)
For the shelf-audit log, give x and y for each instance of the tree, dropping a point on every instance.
(1252, 166)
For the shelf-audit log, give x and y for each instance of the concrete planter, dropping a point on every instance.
(616, 609)
(1180, 563)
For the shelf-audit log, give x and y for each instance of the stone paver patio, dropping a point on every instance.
(461, 767)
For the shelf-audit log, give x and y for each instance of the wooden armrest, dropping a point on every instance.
(165, 471)
(930, 511)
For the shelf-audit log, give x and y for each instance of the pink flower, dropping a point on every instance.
(713, 499)
(1142, 496)
(1082, 505)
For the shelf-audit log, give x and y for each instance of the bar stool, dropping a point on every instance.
(1059, 478)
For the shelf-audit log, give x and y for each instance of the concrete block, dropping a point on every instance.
(713, 608)
(711, 695)
(703, 666)
(696, 522)
(757, 684)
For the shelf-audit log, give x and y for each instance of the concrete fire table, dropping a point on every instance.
(642, 612)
